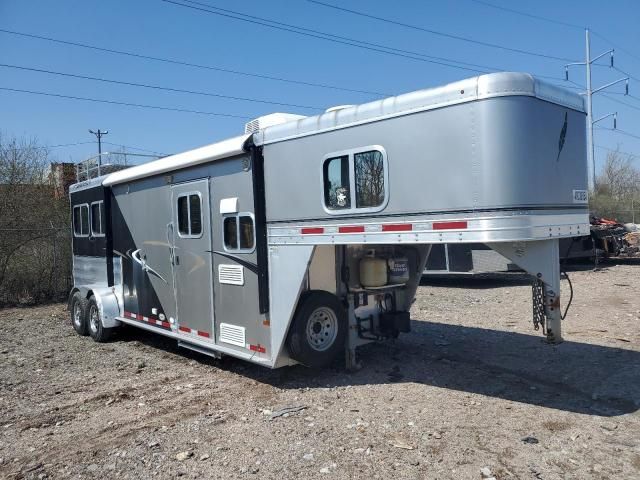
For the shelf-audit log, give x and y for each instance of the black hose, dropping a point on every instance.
(566, 310)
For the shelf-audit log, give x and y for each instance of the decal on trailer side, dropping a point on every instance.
(580, 196)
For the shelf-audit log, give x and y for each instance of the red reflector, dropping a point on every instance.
(400, 227)
(351, 229)
(257, 348)
(184, 329)
(204, 334)
(312, 230)
(449, 225)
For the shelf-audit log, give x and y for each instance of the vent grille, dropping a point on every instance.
(232, 334)
(231, 274)
(253, 126)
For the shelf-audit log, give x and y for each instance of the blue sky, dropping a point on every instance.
(156, 28)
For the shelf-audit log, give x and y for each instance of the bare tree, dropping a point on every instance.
(29, 212)
(617, 191)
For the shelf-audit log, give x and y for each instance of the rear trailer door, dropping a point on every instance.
(191, 260)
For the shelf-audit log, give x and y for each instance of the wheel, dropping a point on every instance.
(79, 314)
(97, 331)
(319, 330)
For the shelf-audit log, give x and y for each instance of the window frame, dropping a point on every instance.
(188, 194)
(80, 235)
(237, 216)
(101, 209)
(350, 154)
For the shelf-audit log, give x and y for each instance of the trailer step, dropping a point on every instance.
(196, 348)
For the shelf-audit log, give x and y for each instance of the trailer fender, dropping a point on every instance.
(108, 305)
(288, 265)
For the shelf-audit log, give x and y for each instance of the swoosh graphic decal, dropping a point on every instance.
(136, 258)
(251, 266)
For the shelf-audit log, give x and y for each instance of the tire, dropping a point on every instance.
(319, 330)
(94, 324)
(78, 313)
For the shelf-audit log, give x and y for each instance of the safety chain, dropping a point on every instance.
(539, 316)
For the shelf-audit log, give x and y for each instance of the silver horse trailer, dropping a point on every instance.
(307, 236)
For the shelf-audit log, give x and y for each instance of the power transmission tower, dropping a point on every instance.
(99, 135)
(589, 93)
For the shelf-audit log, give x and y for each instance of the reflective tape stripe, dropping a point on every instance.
(351, 229)
(399, 227)
(387, 228)
(193, 331)
(257, 348)
(149, 320)
(450, 225)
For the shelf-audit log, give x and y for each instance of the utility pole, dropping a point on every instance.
(99, 135)
(591, 156)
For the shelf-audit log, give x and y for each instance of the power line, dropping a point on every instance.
(158, 87)
(126, 104)
(333, 38)
(530, 15)
(44, 147)
(622, 132)
(632, 55)
(621, 102)
(627, 74)
(376, 47)
(189, 64)
(624, 95)
(134, 148)
(443, 34)
(616, 150)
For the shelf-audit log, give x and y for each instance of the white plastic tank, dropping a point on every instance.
(373, 271)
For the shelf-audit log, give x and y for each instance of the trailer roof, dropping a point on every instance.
(226, 148)
(476, 88)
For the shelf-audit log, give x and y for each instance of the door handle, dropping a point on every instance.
(177, 260)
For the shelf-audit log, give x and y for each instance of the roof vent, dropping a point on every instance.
(270, 120)
(337, 107)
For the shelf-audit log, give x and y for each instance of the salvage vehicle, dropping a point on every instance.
(306, 237)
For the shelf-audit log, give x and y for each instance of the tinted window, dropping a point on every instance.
(190, 215)
(369, 176)
(96, 219)
(81, 220)
(246, 233)
(77, 230)
(238, 232)
(85, 219)
(183, 216)
(336, 183)
(195, 213)
(230, 229)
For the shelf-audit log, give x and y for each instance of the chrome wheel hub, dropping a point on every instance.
(77, 315)
(94, 318)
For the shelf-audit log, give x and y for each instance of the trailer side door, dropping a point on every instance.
(191, 258)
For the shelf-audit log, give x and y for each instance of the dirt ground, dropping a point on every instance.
(472, 386)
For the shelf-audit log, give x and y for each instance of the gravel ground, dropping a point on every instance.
(472, 386)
